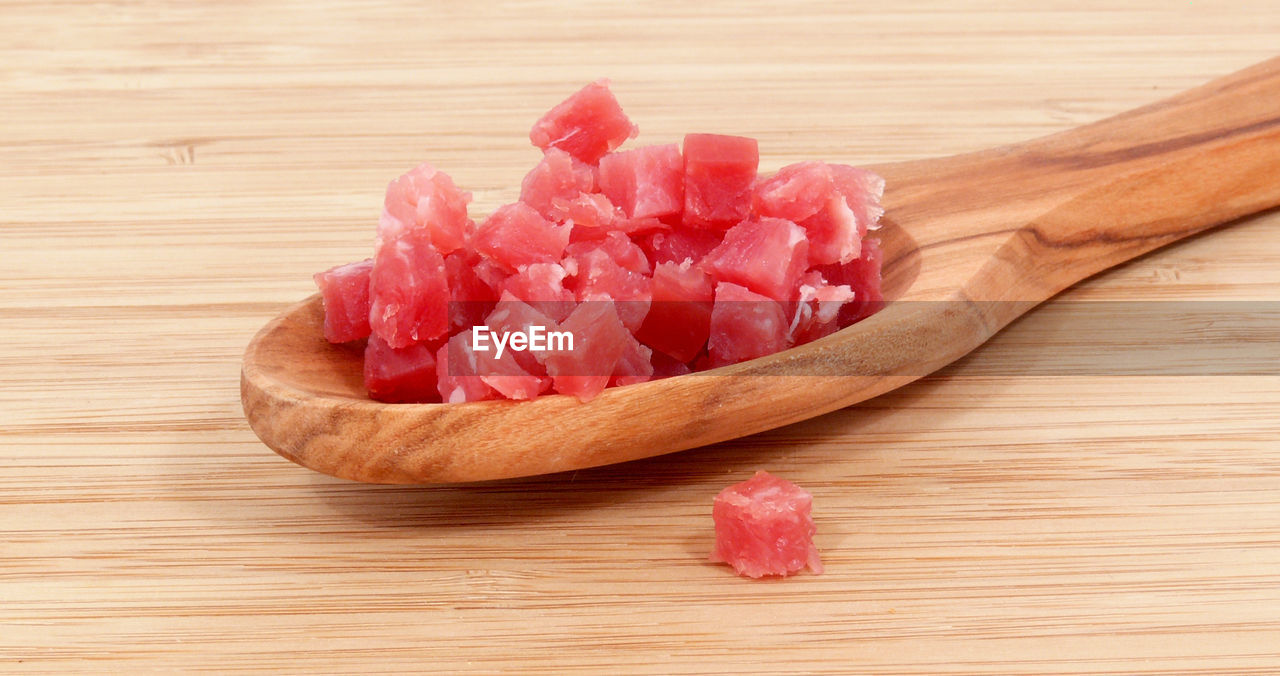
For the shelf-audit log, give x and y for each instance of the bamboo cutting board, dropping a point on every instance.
(172, 173)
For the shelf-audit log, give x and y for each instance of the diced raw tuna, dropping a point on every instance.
(862, 190)
(586, 125)
(661, 261)
(345, 293)
(646, 182)
(795, 193)
(744, 325)
(511, 315)
(719, 172)
(427, 198)
(457, 372)
(592, 215)
(400, 376)
(767, 256)
(679, 318)
(620, 248)
(806, 194)
(862, 275)
(599, 342)
(764, 526)
(559, 176)
(814, 313)
(471, 298)
(680, 244)
(516, 235)
(634, 366)
(408, 287)
(541, 285)
(597, 277)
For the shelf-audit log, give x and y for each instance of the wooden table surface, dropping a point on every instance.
(172, 173)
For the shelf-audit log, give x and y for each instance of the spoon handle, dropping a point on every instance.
(1132, 183)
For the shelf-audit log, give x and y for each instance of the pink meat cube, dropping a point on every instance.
(645, 182)
(767, 256)
(744, 325)
(618, 246)
(635, 365)
(516, 235)
(557, 177)
(679, 318)
(541, 285)
(458, 372)
(426, 198)
(400, 375)
(600, 339)
(408, 287)
(680, 244)
(764, 526)
(345, 293)
(862, 275)
(586, 125)
(718, 174)
(862, 190)
(597, 277)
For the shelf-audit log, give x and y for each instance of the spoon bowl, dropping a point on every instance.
(971, 242)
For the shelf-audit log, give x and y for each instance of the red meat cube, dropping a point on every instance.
(586, 125)
(679, 318)
(516, 235)
(744, 325)
(764, 526)
(767, 256)
(599, 340)
(645, 182)
(557, 177)
(718, 174)
(426, 198)
(400, 376)
(408, 287)
(345, 293)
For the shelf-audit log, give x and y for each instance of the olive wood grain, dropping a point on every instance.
(1013, 225)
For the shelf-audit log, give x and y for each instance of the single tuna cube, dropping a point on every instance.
(719, 172)
(679, 318)
(618, 246)
(862, 275)
(806, 194)
(795, 193)
(400, 376)
(471, 298)
(505, 375)
(680, 244)
(645, 182)
(408, 286)
(635, 365)
(814, 313)
(458, 372)
(345, 293)
(599, 340)
(511, 315)
(427, 198)
(862, 191)
(597, 277)
(586, 125)
(744, 325)
(557, 177)
(764, 526)
(541, 285)
(767, 256)
(516, 235)
(592, 215)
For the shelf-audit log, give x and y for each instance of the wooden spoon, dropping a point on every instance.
(1014, 225)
